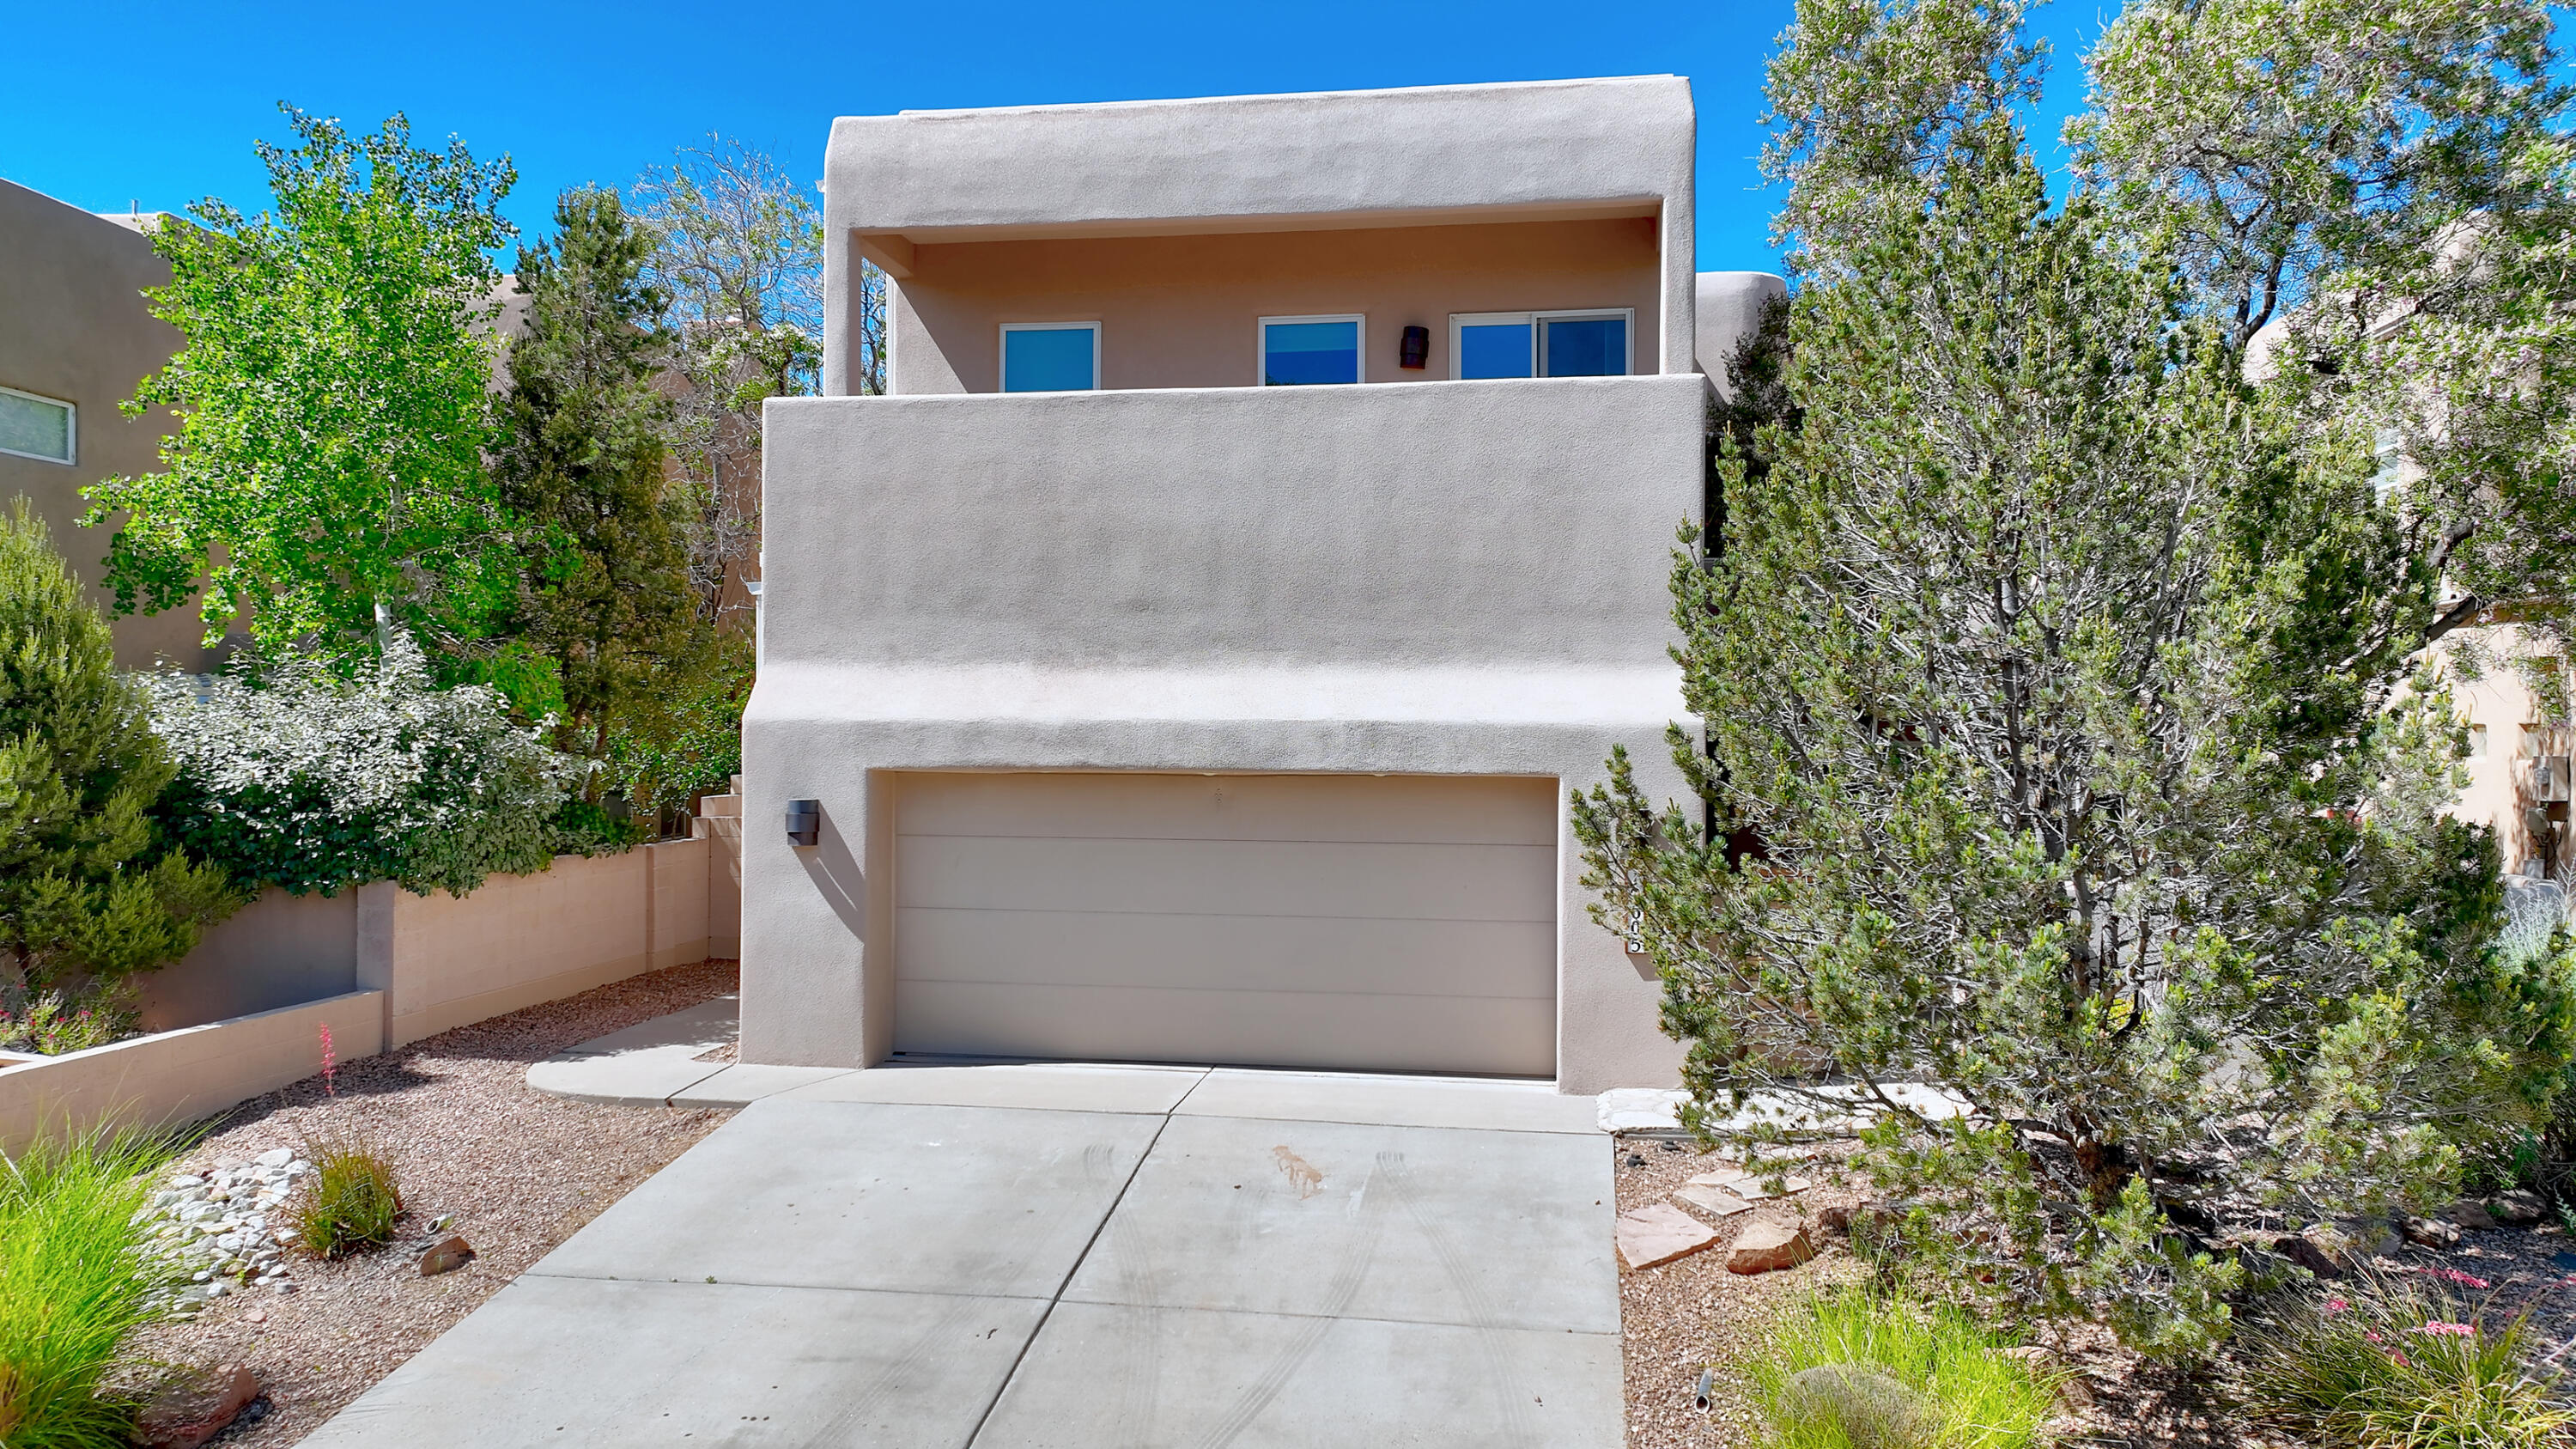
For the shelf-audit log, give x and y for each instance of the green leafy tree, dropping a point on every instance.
(686, 740)
(86, 894)
(328, 475)
(2376, 204)
(605, 592)
(2047, 772)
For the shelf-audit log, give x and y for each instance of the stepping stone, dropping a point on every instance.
(1656, 1234)
(1745, 1184)
(1713, 1199)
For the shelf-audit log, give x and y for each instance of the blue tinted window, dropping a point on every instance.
(1047, 359)
(1297, 353)
(1500, 349)
(1587, 347)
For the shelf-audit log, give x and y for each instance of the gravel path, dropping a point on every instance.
(1692, 1313)
(520, 1171)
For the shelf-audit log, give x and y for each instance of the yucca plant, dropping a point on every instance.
(2399, 1363)
(350, 1200)
(78, 1278)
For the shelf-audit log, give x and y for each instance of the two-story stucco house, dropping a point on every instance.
(1267, 525)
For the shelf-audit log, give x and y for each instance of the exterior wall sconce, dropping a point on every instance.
(804, 822)
(1415, 351)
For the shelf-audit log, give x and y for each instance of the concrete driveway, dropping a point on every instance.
(1066, 1255)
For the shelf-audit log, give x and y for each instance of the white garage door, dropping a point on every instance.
(1382, 923)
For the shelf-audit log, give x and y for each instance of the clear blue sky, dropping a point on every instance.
(157, 104)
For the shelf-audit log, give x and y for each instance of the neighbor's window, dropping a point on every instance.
(1298, 351)
(1050, 356)
(36, 427)
(1540, 344)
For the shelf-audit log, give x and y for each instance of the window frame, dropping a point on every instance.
(1459, 321)
(71, 428)
(1002, 357)
(1359, 345)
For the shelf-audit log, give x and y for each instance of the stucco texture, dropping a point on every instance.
(1435, 578)
(1182, 311)
(74, 327)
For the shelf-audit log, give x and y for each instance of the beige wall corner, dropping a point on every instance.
(719, 823)
(280, 950)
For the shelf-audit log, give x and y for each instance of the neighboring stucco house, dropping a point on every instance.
(1268, 523)
(76, 335)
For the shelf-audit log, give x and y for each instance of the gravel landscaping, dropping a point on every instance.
(517, 1171)
(1692, 1313)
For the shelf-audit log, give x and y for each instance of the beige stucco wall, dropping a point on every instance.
(181, 1076)
(1453, 578)
(74, 327)
(1183, 311)
(423, 964)
(719, 823)
(446, 961)
(279, 950)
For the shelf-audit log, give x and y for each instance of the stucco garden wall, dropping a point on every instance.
(241, 1015)
(1437, 578)
(174, 1077)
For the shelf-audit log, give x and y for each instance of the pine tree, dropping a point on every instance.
(605, 591)
(2047, 767)
(86, 896)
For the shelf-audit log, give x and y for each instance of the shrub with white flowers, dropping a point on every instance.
(307, 780)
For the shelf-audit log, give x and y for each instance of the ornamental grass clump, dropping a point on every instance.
(2391, 1363)
(350, 1201)
(1867, 1368)
(77, 1281)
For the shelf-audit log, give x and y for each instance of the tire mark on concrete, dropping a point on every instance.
(1488, 1324)
(1356, 1257)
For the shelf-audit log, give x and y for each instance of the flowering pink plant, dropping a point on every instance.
(2455, 1330)
(330, 1064)
(2452, 1275)
(2336, 1305)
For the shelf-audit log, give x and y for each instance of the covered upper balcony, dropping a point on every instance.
(1466, 232)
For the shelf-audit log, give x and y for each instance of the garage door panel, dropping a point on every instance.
(1360, 922)
(1509, 1036)
(1482, 811)
(1259, 953)
(1228, 877)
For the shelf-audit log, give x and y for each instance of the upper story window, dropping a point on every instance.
(1050, 356)
(37, 427)
(1540, 344)
(1299, 351)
